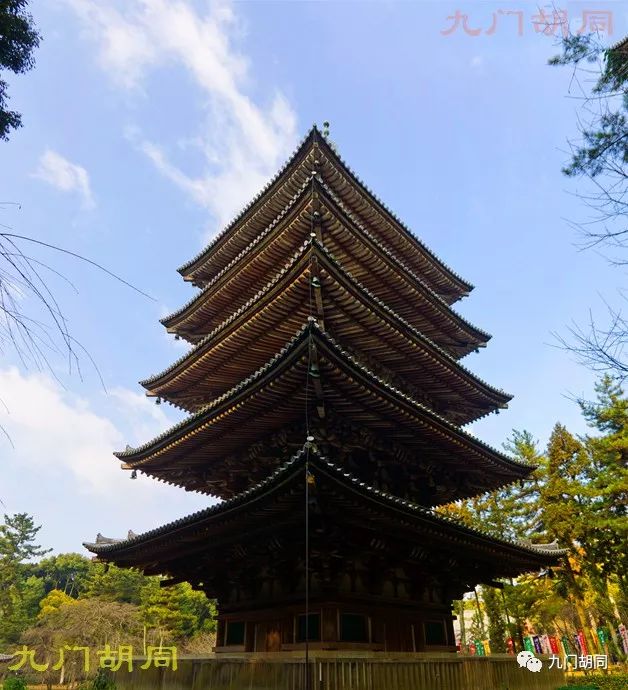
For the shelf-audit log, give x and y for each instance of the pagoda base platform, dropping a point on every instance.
(367, 670)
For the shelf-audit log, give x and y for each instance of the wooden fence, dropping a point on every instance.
(410, 672)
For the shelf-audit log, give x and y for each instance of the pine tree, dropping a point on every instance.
(564, 502)
(17, 547)
(606, 529)
(497, 628)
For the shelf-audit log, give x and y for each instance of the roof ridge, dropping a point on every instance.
(447, 310)
(400, 318)
(416, 403)
(292, 344)
(256, 240)
(213, 508)
(232, 317)
(316, 134)
(299, 254)
(398, 220)
(429, 511)
(234, 390)
(307, 452)
(247, 207)
(399, 262)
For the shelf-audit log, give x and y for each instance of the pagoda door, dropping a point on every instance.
(268, 637)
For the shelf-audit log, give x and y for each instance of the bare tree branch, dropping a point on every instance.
(600, 157)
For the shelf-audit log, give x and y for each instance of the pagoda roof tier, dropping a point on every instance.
(356, 318)
(352, 245)
(316, 155)
(237, 531)
(207, 451)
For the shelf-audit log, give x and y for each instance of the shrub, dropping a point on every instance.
(598, 682)
(102, 681)
(14, 683)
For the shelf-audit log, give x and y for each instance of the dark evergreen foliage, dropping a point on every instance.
(18, 40)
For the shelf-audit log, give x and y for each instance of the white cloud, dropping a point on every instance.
(243, 142)
(59, 172)
(61, 467)
(53, 430)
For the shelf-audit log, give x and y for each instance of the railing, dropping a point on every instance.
(332, 672)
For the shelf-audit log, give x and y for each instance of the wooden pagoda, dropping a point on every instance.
(326, 401)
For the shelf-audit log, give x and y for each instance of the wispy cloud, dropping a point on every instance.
(61, 445)
(62, 174)
(242, 142)
(53, 430)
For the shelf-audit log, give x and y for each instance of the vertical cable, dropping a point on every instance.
(307, 566)
(309, 439)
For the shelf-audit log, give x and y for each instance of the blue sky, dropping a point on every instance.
(148, 124)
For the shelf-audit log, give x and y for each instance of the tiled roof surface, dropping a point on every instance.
(282, 472)
(432, 295)
(289, 347)
(314, 132)
(303, 250)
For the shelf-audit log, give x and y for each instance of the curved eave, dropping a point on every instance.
(457, 284)
(163, 384)
(441, 427)
(191, 267)
(286, 216)
(224, 402)
(319, 466)
(242, 313)
(463, 287)
(187, 319)
(345, 216)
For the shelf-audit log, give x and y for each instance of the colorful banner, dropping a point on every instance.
(567, 648)
(537, 644)
(623, 634)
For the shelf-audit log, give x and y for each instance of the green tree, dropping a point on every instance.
(33, 591)
(67, 571)
(599, 158)
(497, 628)
(18, 545)
(18, 40)
(114, 584)
(512, 511)
(53, 601)
(563, 491)
(17, 538)
(606, 529)
(565, 508)
(179, 610)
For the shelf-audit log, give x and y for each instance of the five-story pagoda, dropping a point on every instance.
(326, 403)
